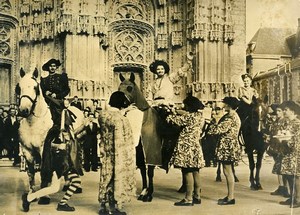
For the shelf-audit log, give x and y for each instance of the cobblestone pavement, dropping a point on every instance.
(13, 183)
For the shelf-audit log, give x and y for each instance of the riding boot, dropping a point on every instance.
(285, 192)
(278, 191)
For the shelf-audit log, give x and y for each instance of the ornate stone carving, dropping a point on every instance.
(129, 12)
(48, 4)
(65, 23)
(5, 6)
(228, 25)
(83, 24)
(36, 6)
(129, 46)
(161, 2)
(162, 41)
(197, 86)
(5, 35)
(47, 25)
(176, 38)
(210, 20)
(99, 26)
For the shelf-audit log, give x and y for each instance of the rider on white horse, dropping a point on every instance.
(55, 88)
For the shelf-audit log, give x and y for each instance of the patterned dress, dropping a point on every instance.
(279, 124)
(117, 172)
(291, 161)
(227, 131)
(188, 151)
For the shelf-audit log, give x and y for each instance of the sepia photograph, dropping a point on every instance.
(150, 107)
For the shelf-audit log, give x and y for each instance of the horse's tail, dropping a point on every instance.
(241, 138)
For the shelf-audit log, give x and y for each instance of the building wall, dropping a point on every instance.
(203, 41)
(8, 51)
(281, 83)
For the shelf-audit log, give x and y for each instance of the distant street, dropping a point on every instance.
(13, 183)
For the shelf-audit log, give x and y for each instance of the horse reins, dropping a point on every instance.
(33, 101)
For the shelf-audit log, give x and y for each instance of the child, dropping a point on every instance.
(188, 153)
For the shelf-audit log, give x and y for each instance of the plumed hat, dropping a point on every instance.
(45, 67)
(233, 102)
(153, 66)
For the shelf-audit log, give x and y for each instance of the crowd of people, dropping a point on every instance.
(9, 137)
(202, 140)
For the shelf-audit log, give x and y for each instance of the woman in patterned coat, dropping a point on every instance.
(188, 152)
(117, 172)
(228, 149)
(272, 129)
(290, 166)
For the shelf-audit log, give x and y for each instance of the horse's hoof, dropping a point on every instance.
(218, 179)
(259, 187)
(25, 202)
(147, 198)
(236, 179)
(143, 193)
(44, 201)
(253, 187)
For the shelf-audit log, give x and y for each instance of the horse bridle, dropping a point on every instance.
(33, 101)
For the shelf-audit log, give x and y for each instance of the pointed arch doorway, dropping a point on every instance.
(131, 33)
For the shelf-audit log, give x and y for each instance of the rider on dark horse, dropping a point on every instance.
(250, 115)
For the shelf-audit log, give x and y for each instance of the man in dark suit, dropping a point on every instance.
(11, 126)
(55, 88)
(76, 103)
(90, 145)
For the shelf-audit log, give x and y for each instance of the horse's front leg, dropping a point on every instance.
(251, 167)
(260, 156)
(143, 172)
(30, 169)
(31, 176)
(150, 190)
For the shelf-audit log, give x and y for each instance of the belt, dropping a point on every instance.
(61, 146)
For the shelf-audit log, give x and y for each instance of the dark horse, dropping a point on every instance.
(252, 138)
(149, 150)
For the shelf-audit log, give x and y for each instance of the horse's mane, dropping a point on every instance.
(139, 99)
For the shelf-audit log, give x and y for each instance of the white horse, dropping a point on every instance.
(35, 123)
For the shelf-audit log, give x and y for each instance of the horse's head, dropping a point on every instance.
(128, 87)
(28, 90)
(132, 92)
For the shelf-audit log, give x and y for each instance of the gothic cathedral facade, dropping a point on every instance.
(203, 41)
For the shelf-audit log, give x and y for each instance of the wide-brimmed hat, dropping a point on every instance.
(246, 76)
(233, 102)
(275, 106)
(45, 67)
(293, 106)
(193, 104)
(153, 66)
